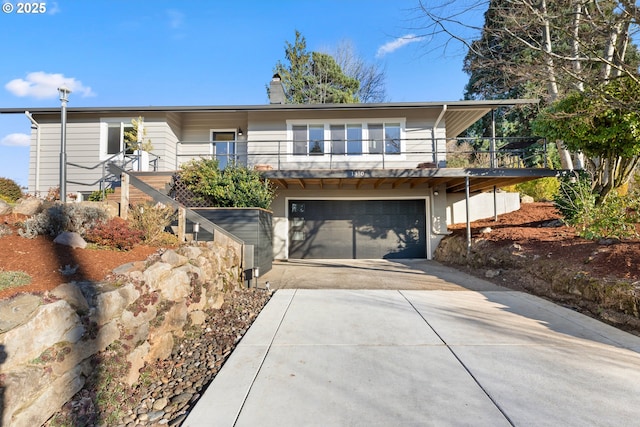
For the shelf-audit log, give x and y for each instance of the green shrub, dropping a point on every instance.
(100, 195)
(615, 217)
(234, 186)
(62, 217)
(12, 279)
(9, 190)
(152, 220)
(115, 233)
(575, 200)
(542, 189)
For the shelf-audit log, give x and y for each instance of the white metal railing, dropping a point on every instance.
(437, 153)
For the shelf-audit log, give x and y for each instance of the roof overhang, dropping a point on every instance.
(480, 180)
(458, 116)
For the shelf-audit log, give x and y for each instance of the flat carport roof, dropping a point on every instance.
(482, 179)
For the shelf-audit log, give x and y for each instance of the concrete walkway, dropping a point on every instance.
(390, 357)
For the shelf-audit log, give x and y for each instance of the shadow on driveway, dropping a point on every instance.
(408, 274)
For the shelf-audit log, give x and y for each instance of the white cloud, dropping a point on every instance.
(396, 44)
(43, 85)
(16, 140)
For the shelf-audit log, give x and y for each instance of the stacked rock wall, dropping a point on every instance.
(47, 341)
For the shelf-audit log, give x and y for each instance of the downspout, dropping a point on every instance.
(466, 195)
(433, 133)
(37, 126)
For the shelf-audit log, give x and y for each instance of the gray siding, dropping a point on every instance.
(82, 148)
(195, 141)
(253, 226)
(180, 136)
(268, 145)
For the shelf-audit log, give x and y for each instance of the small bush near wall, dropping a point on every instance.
(9, 190)
(542, 189)
(115, 233)
(234, 186)
(61, 217)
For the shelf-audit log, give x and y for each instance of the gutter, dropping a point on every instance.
(37, 126)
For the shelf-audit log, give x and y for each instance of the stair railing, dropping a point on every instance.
(219, 234)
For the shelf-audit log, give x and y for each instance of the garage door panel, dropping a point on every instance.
(357, 229)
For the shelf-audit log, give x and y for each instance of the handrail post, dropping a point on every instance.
(182, 223)
(124, 195)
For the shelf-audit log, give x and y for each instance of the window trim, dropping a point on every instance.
(212, 150)
(105, 123)
(327, 123)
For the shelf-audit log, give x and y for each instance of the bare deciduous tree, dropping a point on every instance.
(560, 46)
(370, 75)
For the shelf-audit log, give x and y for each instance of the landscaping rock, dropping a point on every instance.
(53, 396)
(72, 294)
(112, 304)
(526, 199)
(51, 324)
(177, 286)
(70, 238)
(5, 208)
(28, 207)
(173, 259)
(17, 310)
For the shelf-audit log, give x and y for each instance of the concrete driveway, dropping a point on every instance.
(349, 356)
(409, 274)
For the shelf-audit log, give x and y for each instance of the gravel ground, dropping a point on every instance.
(168, 389)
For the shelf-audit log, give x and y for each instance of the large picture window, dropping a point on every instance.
(347, 139)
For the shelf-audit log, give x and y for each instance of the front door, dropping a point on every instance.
(224, 147)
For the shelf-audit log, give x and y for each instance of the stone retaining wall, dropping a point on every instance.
(46, 341)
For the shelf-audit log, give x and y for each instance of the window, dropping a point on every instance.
(224, 147)
(337, 139)
(316, 139)
(115, 134)
(384, 137)
(350, 145)
(300, 140)
(308, 140)
(347, 139)
(354, 139)
(375, 138)
(392, 138)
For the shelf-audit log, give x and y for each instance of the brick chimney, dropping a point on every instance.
(276, 90)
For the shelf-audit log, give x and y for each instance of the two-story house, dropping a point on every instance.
(353, 180)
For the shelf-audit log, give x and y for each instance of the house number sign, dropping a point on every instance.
(357, 174)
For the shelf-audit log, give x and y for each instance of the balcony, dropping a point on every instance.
(496, 153)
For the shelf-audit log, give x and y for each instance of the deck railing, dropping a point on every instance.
(433, 153)
(127, 161)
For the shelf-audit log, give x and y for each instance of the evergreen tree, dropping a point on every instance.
(314, 78)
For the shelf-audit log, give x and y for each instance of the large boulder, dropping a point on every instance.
(28, 207)
(71, 238)
(5, 208)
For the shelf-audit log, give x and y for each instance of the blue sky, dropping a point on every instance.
(197, 52)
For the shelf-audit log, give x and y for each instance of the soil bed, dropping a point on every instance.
(543, 242)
